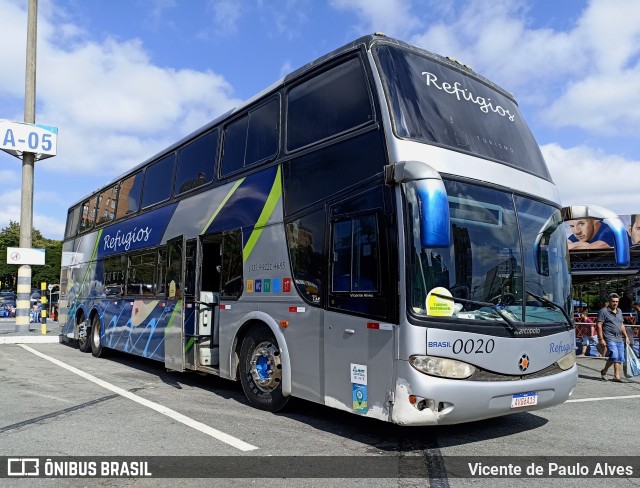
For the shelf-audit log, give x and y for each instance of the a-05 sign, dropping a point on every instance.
(17, 138)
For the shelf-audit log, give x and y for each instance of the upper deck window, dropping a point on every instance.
(129, 195)
(72, 222)
(88, 214)
(436, 104)
(252, 138)
(158, 181)
(196, 162)
(328, 104)
(107, 205)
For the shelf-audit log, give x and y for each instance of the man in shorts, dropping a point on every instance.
(612, 334)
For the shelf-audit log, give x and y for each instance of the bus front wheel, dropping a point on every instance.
(261, 370)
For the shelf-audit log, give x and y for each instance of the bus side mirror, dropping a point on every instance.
(620, 236)
(435, 224)
(540, 245)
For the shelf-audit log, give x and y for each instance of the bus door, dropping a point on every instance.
(208, 304)
(174, 343)
(358, 336)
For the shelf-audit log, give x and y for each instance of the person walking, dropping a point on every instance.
(613, 334)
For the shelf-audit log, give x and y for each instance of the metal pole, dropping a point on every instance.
(26, 209)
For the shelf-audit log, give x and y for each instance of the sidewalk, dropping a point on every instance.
(8, 334)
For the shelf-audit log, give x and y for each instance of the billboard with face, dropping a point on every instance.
(592, 234)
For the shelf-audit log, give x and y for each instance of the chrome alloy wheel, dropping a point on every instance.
(266, 367)
(95, 335)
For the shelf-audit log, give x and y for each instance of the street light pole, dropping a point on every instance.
(26, 209)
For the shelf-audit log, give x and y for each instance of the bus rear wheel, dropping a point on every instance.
(96, 346)
(84, 344)
(261, 370)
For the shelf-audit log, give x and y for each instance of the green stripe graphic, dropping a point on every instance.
(222, 204)
(269, 207)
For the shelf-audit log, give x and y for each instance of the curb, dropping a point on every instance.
(30, 340)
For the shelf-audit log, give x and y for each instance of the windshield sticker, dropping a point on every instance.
(462, 93)
(438, 306)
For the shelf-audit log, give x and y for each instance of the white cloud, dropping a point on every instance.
(585, 175)
(604, 98)
(11, 178)
(495, 39)
(51, 228)
(10, 209)
(113, 107)
(393, 17)
(603, 104)
(226, 15)
(586, 76)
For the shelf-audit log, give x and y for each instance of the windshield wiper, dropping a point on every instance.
(551, 304)
(509, 323)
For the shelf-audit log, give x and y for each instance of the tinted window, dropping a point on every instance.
(232, 264)
(115, 273)
(162, 268)
(141, 277)
(235, 142)
(174, 270)
(88, 214)
(196, 163)
(72, 222)
(158, 181)
(327, 171)
(434, 103)
(107, 205)
(305, 237)
(129, 195)
(355, 255)
(252, 138)
(262, 133)
(190, 268)
(328, 104)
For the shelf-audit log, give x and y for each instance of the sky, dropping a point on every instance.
(122, 79)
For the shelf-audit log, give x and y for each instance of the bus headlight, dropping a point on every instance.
(567, 361)
(443, 367)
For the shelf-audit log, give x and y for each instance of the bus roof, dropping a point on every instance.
(365, 41)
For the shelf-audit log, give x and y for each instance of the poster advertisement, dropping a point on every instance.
(592, 234)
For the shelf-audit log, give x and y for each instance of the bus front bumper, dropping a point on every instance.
(441, 401)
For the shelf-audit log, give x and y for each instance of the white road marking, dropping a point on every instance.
(205, 429)
(600, 399)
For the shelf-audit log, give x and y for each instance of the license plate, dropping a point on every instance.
(524, 399)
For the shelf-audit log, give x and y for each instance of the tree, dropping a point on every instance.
(49, 273)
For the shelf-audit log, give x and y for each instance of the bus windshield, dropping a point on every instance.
(492, 258)
(439, 105)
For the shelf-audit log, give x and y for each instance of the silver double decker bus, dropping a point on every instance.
(376, 232)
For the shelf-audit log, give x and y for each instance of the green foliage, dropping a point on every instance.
(49, 273)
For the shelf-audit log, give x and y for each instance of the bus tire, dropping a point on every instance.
(261, 370)
(97, 349)
(84, 343)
